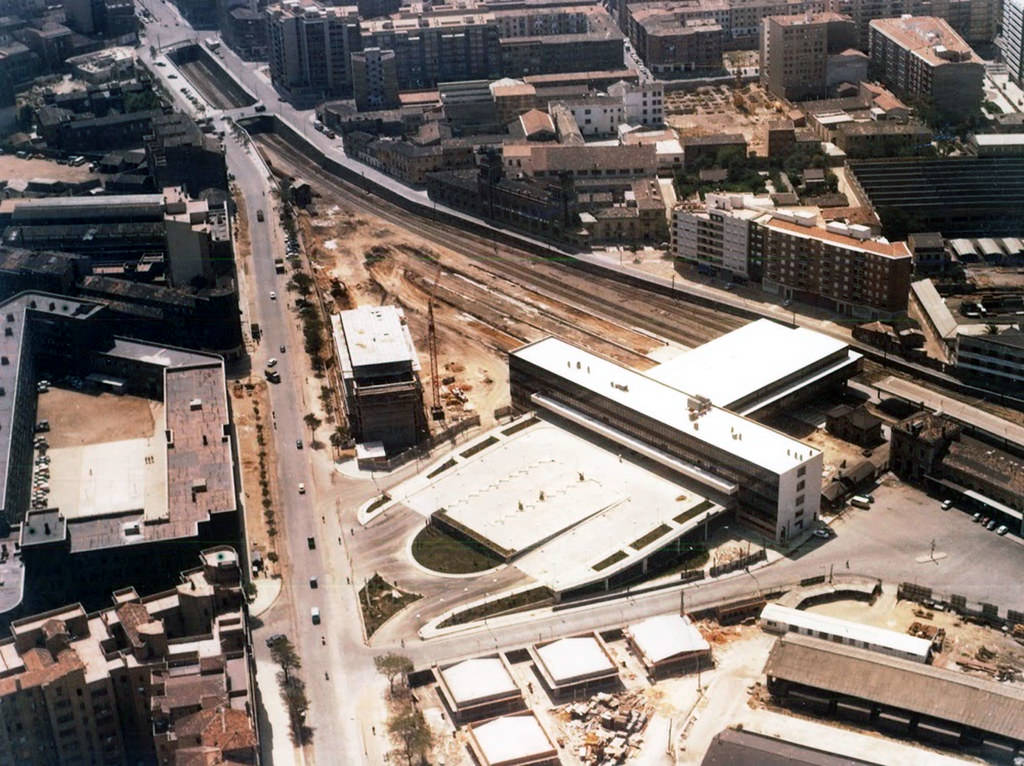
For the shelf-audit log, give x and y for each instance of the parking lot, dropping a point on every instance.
(896, 535)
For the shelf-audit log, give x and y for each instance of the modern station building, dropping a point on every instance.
(772, 480)
(380, 370)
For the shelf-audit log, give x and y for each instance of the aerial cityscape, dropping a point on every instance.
(511, 382)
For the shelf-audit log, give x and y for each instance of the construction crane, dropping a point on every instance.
(436, 410)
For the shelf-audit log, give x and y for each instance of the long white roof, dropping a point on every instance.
(900, 642)
(745, 360)
(746, 439)
(511, 739)
(569, 658)
(478, 679)
(665, 636)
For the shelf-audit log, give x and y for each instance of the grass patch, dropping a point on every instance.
(698, 509)
(607, 562)
(385, 498)
(441, 468)
(519, 426)
(531, 597)
(481, 446)
(378, 601)
(650, 537)
(441, 552)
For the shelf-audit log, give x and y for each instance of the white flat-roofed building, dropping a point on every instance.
(774, 478)
(477, 688)
(577, 664)
(668, 644)
(380, 371)
(743, 370)
(781, 619)
(512, 740)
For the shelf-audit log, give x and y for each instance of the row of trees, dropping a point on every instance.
(293, 688)
(406, 725)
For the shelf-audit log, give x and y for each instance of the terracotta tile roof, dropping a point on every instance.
(225, 729)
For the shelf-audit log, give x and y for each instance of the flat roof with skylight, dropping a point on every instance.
(745, 439)
(753, 359)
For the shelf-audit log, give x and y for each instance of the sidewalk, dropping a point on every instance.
(267, 591)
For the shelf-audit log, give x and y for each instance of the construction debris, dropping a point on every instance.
(933, 633)
(607, 729)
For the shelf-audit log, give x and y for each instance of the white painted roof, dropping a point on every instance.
(376, 335)
(745, 360)
(746, 439)
(667, 635)
(570, 658)
(512, 738)
(851, 631)
(478, 679)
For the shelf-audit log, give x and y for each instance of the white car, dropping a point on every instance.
(272, 362)
(947, 504)
(273, 295)
(302, 489)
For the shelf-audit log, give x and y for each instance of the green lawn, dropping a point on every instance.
(437, 550)
(534, 596)
(378, 601)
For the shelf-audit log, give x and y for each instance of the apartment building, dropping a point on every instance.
(375, 79)
(974, 20)
(740, 20)
(721, 236)
(667, 43)
(642, 103)
(155, 679)
(430, 49)
(993, 360)
(309, 49)
(796, 50)
(1011, 42)
(922, 57)
(838, 267)
(594, 44)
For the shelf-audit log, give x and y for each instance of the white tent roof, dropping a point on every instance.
(512, 738)
(570, 658)
(478, 679)
(665, 636)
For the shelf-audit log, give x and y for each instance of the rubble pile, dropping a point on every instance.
(608, 728)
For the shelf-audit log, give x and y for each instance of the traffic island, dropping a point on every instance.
(379, 600)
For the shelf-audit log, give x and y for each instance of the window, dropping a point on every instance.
(800, 485)
(801, 470)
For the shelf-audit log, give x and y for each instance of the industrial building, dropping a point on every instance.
(742, 747)
(955, 196)
(380, 372)
(182, 494)
(478, 688)
(743, 371)
(898, 695)
(576, 666)
(512, 740)
(162, 678)
(993, 360)
(772, 479)
(776, 618)
(668, 644)
(922, 57)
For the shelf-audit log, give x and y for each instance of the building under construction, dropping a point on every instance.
(380, 371)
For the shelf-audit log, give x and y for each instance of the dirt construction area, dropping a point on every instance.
(711, 109)
(12, 167)
(78, 419)
(361, 260)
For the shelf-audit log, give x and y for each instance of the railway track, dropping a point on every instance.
(663, 317)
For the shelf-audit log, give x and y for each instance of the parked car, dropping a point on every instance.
(271, 640)
(313, 583)
(991, 524)
(259, 215)
(1002, 529)
(822, 533)
(273, 295)
(976, 518)
(314, 613)
(302, 488)
(298, 444)
(947, 504)
(272, 362)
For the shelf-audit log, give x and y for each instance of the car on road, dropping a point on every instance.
(272, 362)
(1002, 529)
(822, 533)
(282, 349)
(259, 108)
(314, 614)
(161, 63)
(302, 488)
(313, 583)
(259, 215)
(976, 518)
(271, 640)
(298, 444)
(947, 504)
(311, 543)
(172, 76)
(273, 295)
